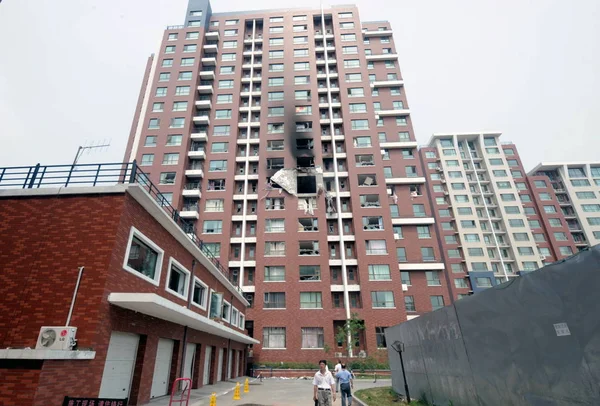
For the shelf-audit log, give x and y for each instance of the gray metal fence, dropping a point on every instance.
(532, 341)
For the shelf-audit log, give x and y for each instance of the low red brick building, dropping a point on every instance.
(146, 289)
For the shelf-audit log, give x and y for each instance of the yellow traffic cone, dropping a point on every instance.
(246, 386)
(236, 392)
(213, 399)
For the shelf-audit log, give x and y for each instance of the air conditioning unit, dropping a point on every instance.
(338, 355)
(362, 354)
(56, 338)
(404, 287)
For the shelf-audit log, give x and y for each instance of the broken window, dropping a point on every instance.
(307, 184)
(272, 183)
(305, 162)
(274, 163)
(304, 126)
(415, 190)
(274, 203)
(307, 224)
(275, 145)
(304, 143)
(367, 180)
(362, 142)
(309, 248)
(274, 128)
(216, 184)
(369, 201)
(364, 160)
(310, 273)
(372, 223)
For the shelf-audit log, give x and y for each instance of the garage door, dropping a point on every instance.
(220, 365)
(190, 354)
(162, 368)
(207, 360)
(119, 365)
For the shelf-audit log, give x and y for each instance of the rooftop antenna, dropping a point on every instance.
(84, 148)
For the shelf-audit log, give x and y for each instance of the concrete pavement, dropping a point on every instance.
(271, 392)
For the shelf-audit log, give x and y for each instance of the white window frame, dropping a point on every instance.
(157, 272)
(235, 321)
(186, 288)
(228, 315)
(241, 320)
(202, 306)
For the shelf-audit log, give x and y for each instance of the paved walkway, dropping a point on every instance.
(271, 392)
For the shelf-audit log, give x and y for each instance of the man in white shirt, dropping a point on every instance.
(338, 368)
(323, 385)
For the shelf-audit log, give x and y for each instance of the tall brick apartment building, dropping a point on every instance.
(147, 292)
(286, 136)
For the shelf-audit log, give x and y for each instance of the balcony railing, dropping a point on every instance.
(103, 174)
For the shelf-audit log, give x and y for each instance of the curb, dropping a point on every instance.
(359, 401)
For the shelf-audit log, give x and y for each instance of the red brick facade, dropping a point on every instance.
(44, 240)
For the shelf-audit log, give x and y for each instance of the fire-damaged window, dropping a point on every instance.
(307, 224)
(307, 184)
(305, 162)
(364, 160)
(372, 223)
(304, 143)
(310, 273)
(367, 180)
(275, 145)
(274, 203)
(309, 248)
(369, 201)
(274, 163)
(304, 126)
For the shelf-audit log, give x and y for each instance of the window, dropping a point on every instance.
(150, 141)
(580, 182)
(303, 110)
(299, 66)
(302, 95)
(214, 205)
(516, 223)
(353, 77)
(528, 211)
(437, 302)
(299, 28)
(521, 236)
(401, 253)
(590, 208)
(356, 92)
(143, 258)
(276, 67)
(171, 159)
(147, 159)
(187, 61)
(379, 272)
(310, 273)
(225, 84)
(222, 114)
(348, 37)
(310, 300)
(228, 57)
(525, 198)
(525, 250)
(560, 236)
(274, 300)
(405, 276)
(182, 91)
(275, 54)
(312, 337)
(351, 63)
(273, 337)
(359, 124)
(382, 299)
(301, 80)
(192, 35)
(433, 278)
(275, 96)
(212, 227)
(167, 63)
(167, 178)
(274, 274)
(409, 303)
(454, 253)
(555, 222)
(193, 23)
(178, 279)
(550, 209)
(300, 40)
(566, 251)
(423, 232)
(224, 98)
(586, 195)
(300, 52)
(230, 44)
(219, 165)
(154, 124)
(275, 81)
(180, 106)
(593, 221)
(347, 25)
(221, 130)
(276, 19)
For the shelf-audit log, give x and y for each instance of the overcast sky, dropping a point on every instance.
(70, 71)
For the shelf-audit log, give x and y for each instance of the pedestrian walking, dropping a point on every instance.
(323, 386)
(338, 368)
(346, 385)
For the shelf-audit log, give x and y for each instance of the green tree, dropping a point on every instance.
(349, 333)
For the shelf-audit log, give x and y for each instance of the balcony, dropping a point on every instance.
(337, 238)
(392, 113)
(328, 34)
(209, 61)
(335, 120)
(207, 74)
(337, 137)
(202, 119)
(255, 65)
(247, 93)
(246, 109)
(212, 35)
(256, 52)
(398, 144)
(405, 181)
(382, 57)
(376, 33)
(334, 104)
(332, 88)
(205, 87)
(197, 153)
(194, 171)
(212, 48)
(249, 39)
(387, 83)
(192, 190)
(332, 75)
(407, 221)
(204, 104)
(338, 262)
(199, 136)
(321, 61)
(255, 78)
(189, 212)
(421, 266)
